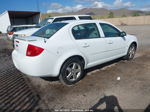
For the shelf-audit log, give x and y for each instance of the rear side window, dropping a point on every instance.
(85, 31)
(85, 17)
(64, 19)
(109, 30)
(49, 30)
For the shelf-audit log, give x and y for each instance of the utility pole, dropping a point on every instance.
(38, 7)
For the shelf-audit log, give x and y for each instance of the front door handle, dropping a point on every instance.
(110, 42)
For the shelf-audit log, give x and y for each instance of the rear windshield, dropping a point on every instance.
(49, 30)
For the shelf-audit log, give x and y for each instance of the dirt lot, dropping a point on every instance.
(100, 88)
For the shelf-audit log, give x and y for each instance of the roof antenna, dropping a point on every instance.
(44, 40)
(37, 3)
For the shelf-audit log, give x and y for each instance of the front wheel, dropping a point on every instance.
(71, 71)
(131, 52)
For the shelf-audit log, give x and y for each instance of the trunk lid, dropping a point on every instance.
(21, 44)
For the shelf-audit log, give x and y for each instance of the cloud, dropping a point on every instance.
(83, 1)
(116, 4)
(98, 4)
(121, 4)
(56, 7)
(61, 9)
(145, 8)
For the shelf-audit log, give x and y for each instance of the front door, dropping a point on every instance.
(116, 45)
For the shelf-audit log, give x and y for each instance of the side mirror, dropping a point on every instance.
(122, 34)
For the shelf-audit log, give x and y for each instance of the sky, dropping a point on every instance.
(62, 6)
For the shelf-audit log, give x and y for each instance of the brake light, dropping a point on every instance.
(33, 50)
(10, 33)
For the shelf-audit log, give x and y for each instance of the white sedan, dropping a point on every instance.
(65, 49)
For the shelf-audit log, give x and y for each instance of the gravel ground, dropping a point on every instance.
(16, 92)
(100, 88)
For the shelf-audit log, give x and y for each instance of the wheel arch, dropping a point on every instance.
(133, 42)
(61, 61)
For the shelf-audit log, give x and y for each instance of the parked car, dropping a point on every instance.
(66, 49)
(28, 32)
(15, 28)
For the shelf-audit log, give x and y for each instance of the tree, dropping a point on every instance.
(111, 15)
(124, 15)
(49, 15)
(147, 14)
(136, 14)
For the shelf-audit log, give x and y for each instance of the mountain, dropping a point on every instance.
(105, 12)
(101, 12)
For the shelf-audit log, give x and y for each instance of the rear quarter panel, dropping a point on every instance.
(63, 47)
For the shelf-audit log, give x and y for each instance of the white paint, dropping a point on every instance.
(118, 78)
(49, 62)
(4, 22)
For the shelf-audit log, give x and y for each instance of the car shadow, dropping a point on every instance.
(111, 102)
(51, 79)
(101, 66)
(147, 108)
(86, 71)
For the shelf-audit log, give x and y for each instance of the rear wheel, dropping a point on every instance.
(71, 71)
(131, 52)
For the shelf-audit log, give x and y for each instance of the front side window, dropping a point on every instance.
(85, 31)
(64, 19)
(109, 30)
(49, 30)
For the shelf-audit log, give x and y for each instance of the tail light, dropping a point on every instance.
(10, 33)
(33, 50)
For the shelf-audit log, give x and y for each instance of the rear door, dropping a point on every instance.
(115, 43)
(88, 40)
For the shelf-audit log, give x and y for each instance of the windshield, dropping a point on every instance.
(49, 30)
(45, 22)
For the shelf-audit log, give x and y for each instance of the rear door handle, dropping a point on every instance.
(110, 42)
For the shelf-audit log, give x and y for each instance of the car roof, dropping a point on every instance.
(83, 21)
(68, 16)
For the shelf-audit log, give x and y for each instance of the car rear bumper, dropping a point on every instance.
(38, 66)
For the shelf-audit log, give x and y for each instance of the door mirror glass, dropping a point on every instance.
(122, 34)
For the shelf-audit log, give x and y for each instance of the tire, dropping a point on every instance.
(71, 71)
(131, 52)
